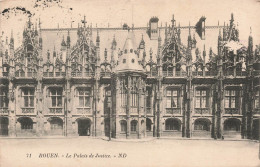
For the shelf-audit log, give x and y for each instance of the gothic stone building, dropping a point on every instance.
(154, 81)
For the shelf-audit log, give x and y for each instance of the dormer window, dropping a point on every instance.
(124, 61)
(131, 50)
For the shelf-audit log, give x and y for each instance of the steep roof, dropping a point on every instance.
(53, 38)
(128, 61)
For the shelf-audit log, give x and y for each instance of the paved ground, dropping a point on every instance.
(74, 152)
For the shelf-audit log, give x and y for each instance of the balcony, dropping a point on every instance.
(197, 73)
(5, 74)
(177, 74)
(211, 73)
(23, 74)
(83, 111)
(173, 111)
(256, 111)
(52, 74)
(60, 74)
(105, 74)
(202, 111)
(81, 74)
(256, 72)
(48, 74)
(238, 73)
(151, 73)
(180, 73)
(148, 110)
(28, 110)
(231, 111)
(241, 73)
(56, 110)
(19, 74)
(207, 73)
(4, 111)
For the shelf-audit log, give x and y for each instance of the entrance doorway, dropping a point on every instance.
(107, 127)
(84, 127)
(56, 126)
(256, 128)
(3, 126)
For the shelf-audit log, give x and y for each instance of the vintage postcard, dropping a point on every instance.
(133, 83)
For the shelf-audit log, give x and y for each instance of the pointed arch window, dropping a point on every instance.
(123, 126)
(133, 126)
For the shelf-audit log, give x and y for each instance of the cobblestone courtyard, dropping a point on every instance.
(158, 152)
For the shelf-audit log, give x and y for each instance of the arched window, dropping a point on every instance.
(56, 123)
(133, 126)
(172, 124)
(123, 126)
(148, 124)
(26, 123)
(202, 124)
(232, 124)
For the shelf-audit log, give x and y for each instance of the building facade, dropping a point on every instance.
(130, 82)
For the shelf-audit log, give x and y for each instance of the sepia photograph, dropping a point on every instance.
(134, 83)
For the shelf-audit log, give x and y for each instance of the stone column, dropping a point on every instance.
(144, 109)
(128, 103)
(184, 111)
(154, 110)
(11, 107)
(139, 111)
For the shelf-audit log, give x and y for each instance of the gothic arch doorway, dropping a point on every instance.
(84, 127)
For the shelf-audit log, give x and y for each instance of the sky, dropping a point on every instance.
(114, 13)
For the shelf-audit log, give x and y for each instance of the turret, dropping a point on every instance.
(250, 46)
(194, 41)
(68, 39)
(142, 43)
(179, 34)
(173, 22)
(189, 39)
(98, 48)
(128, 61)
(97, 39)
(219, 41)
(11, 45)
(63, 44)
